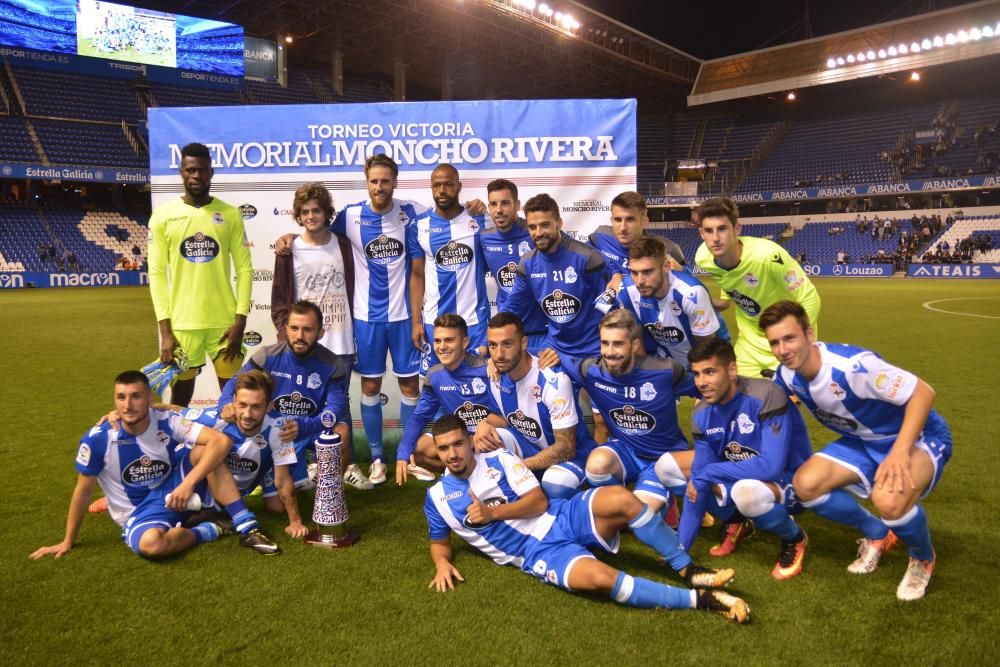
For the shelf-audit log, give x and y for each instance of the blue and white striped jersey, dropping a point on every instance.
(670, 323)
(498, 478)
(857, 394)
(536, 405)
(381, 264)
(455, 269)
(128, 466)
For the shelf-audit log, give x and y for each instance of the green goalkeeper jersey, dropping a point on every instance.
(189, 264)
(765, 275)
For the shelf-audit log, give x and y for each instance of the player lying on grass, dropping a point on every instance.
(893, 446)
(493, 502)
(149, 481)
(748, 442)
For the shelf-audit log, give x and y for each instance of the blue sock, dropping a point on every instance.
(912, 528)
(406, 407)
(777, 520)
(371, 418)
(651, 531)
(646, 594)
(725, 513)
(205, 532)
(243, 519)
(606, 479)
(841, 507)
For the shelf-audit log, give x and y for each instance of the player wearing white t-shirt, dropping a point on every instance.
(447, 266)
(147, 479)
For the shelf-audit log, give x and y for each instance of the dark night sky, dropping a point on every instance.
(711, 29)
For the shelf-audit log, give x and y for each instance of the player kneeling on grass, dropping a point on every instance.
(493, 502)
(748, 442)
(892, 445)
(148, 480)
(258, 455)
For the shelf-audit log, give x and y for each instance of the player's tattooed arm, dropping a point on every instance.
(562, 450)
(445, 574)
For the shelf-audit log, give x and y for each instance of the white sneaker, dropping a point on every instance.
(417, 472)
(357, 479)
(376, 473)
(870, 552)
(915, 581)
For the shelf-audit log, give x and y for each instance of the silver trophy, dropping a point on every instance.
(330, 510)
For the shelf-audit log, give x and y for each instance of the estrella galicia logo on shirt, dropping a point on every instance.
(560, 307)
(471, 413)
(749, 306)
(252, 338)
(836, 422)
(633, 421)
(295, 404)
(248, 211)
(453, 256)
(384, 249)
(489, 502)
(144, 471)
(527, 426)
(505, 276)
(664, 335)
(736, 452)
(199, 248)
(240, 466)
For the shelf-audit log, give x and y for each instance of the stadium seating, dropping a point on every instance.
(972, 226)
(819, 242)
(16, 142)
(86, 144)
(178, 96)
(688, 238)
(65, 95)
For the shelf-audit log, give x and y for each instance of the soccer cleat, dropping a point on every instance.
(733, 534)
(918, 576)
(696, 576)
(422, 474)
(225, 527)
(790, 557)
(259, 542)
(870, 552)
(672, 517)
(722, 603)
(376, 473)
(707, 520)
(357, 479)
(99, 505)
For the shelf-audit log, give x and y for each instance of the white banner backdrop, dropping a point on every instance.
(581, 152)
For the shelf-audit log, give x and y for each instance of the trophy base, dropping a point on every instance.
(319, 539)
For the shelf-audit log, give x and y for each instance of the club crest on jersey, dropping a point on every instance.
(473, 226)
(453, 256)
(749, 306)
(836, 390)
(560, 307)
(527, 426)
(751, 280)
(478, 386)
(569, 275)
(162, 438)
(647, 392)
(313, 382)
(295, 405)
(471, 413)
(260, 441)
(217, 218)
(536, 393)
(675, 308)
(744, 423)
(199, 248)
(523, 248)
(633, 421)
(506, 274)
(384, 249)
(736, 452)
(144, 471)
(403, 217)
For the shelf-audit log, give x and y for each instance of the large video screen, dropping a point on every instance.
(119, 32)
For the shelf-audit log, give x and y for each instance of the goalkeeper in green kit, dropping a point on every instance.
(754, 273)
(191, 243)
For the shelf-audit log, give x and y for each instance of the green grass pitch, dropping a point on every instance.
(223, 604)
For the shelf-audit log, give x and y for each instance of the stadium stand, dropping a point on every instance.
(820, 242)
(61, 95)
(17, 144)
(975, 226)
(87, 144)
(688, 238)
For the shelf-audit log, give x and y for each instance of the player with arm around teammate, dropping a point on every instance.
(749, 440)
(493, 502)
(147, 478)
(893, 445)
(537, 409)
